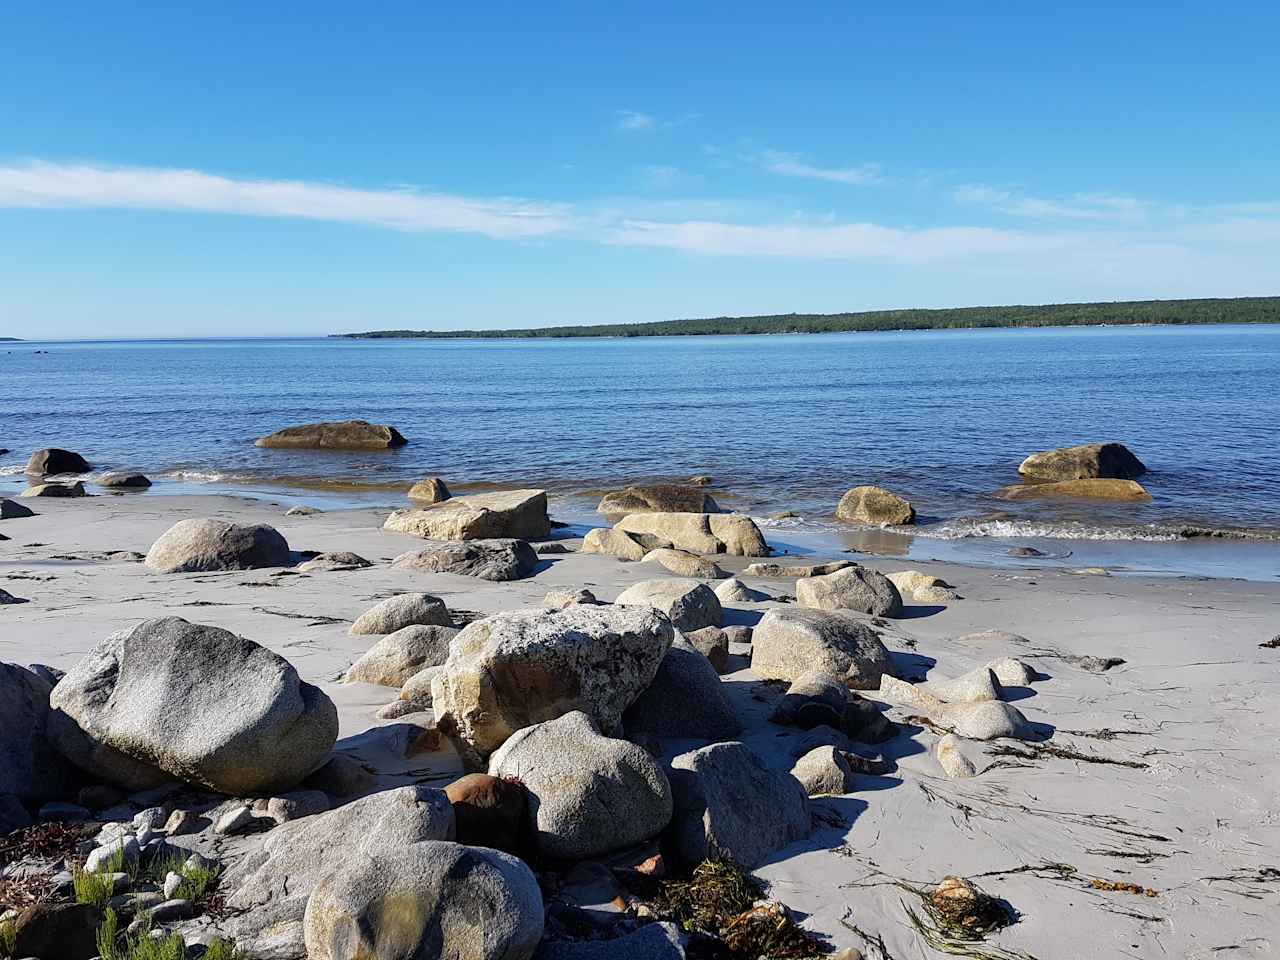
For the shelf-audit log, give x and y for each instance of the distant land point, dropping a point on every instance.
(1120, 313)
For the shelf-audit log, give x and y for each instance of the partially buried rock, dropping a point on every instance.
(781, 570)
(30, 767)
(1088, 461)
(54, 490)
(497, 560)
(659, 498)
(175, 699)
(559, 599)
(824, 771)
(133, 481)
(402, 610)
(513, 670)
(427, 901)
(734, 590)
(686, 699)
(730, 806)
(204, 544)
(1087, 489)
(482, 516)
(333, 562)
(54, 460)
(590, 793)
(490, 811)
(685, 564)
(430, 490)
(398, 656)
(953, 763)
(689, 604)
(983, 720)
(12, 510)
(788, 643)
(700, 533)
(855, 588)
(613, 543)
(875, 505)
(343, 435)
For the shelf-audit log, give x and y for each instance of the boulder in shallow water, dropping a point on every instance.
(483, 516)
(701, 533)
(1087, 461)
(398, 656)
(430, 490)
(402, 610)
(658, 498)
(875, 505)
(590, 794)
(790, 642)
(427, 901)
(54, 460)
(204, 544)
(513, 670)
(123, 479)
(196, 702)
(1129, 491)
(496, 560)
(690, 604)
(342, 435)
(855, 588)
(54, 490)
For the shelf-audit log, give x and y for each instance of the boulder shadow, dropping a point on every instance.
(918, 611)
(735, 617)
(1014, 694)
(911, 666)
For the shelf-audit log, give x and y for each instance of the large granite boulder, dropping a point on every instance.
(727, 533)
(790, 642)
(1088, 461)
(343, 435)
(513, 670)
(1087, 489)
(875, 505)
(486, 559)
(856, 588)
(402, 610)
(730, 806)
(430, 490)
(686, 699)
(659, 498)
(270, 887)
(203, 544)
(427, 901)
(689, 604)
(398, 656)
(589, 794)
(613, 543)
(195, 702)
(53, 460)
(30, 767)
(482, 516)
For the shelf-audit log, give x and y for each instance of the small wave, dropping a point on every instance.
(13, 469)
(1067, 530)
(202, 476)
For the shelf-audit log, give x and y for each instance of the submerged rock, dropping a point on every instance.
(1089, 489)
(124, 479)
(54, 460)
(1088, 461)
(343, 435)
(659, 498)
(205, 544)
(430, 490)
(875, 505)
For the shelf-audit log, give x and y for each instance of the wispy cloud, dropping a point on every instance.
(1079, 206)
(636, 121)
(793, 165)
(57, 186)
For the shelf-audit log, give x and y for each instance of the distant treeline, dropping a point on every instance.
(1237, 310)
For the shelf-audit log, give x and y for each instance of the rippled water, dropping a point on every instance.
(786, 422)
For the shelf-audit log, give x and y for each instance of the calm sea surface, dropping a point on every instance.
(782, 423)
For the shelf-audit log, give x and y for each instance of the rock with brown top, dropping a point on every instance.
(1087, 489)
(875, 505)
(520, 514)
(1088, 461)
(343, 435)
(490, 811)
(659, 498)
(430, 490)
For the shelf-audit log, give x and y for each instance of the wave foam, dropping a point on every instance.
(964, 528)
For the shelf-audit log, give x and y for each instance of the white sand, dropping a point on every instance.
(1196, 704)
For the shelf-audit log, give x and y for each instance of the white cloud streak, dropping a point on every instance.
(70, 187)
(1098, 207)
(793, 165)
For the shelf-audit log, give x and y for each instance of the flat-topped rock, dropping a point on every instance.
(787, 643)
(204, 544)
(54, 460)
(658, 498)
(338, 435)
(496, 560)
(701, 533)
(124, 479)
(1086, 489)
(875, 505)
(780, 571)
(483, 516)
(1087, 461)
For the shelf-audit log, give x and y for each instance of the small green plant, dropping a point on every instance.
(197, 879)
(222, 950)
(112, 945)
(8, 937)
(94, 888)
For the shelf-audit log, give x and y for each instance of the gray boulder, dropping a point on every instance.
(53, 460)
(730, 806)
(856, 588)
(824, 771)
(333, 561)
(270, 887)
(428, 901)
(659, 498)
(588, 794)
(690, 604)
(202, 544)
(483, 516)
(398, 656)
(487, 559)
(696, 532)
(341, 435)
(790, 642)
(403, 610)
(513, 670)
(30, 767)
(196, 702)
(685, 699)
(13, 510)
(734, 590)
(133, 481)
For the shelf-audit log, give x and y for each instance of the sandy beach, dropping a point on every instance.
(1144, 825)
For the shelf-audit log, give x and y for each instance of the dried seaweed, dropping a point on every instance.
(1036, 751)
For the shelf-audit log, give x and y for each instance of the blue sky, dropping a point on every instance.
(320, 167)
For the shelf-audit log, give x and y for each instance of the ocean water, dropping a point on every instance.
(780, 422)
